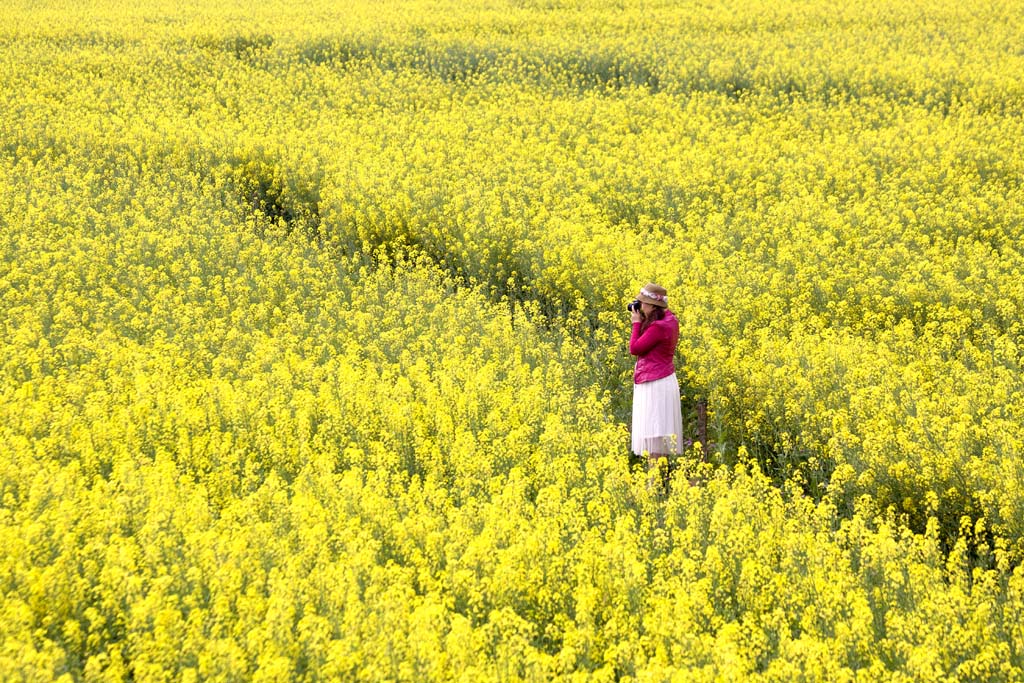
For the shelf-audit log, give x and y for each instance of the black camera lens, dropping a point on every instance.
(633, 305)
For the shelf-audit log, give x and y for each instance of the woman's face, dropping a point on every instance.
(646, 308)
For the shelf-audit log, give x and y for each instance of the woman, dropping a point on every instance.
(657, 415)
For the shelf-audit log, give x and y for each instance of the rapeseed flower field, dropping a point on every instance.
(313, 349)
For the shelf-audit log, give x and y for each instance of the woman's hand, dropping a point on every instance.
(636, 317)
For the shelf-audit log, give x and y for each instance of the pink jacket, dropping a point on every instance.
(655, 349)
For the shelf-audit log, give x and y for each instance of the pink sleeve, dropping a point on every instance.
(640, 344)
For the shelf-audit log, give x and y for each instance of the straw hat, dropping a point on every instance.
(653, 294)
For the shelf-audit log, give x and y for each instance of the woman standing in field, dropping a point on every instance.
(657, 415)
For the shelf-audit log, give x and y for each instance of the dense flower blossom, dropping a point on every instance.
(313, 354)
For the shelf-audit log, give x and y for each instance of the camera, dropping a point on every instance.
(633, 305)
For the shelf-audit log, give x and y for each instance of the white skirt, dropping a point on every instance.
(657, 417)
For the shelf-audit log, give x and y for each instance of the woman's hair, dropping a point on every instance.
(657, 313)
